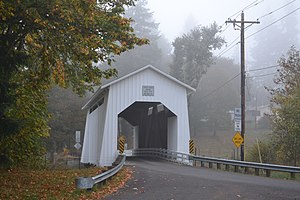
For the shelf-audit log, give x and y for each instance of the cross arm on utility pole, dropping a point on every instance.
(239, 22)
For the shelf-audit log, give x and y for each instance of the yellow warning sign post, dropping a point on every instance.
(191, 147)
(121, 144)
(237, 139)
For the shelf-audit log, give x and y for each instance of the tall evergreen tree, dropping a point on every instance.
(144, 26)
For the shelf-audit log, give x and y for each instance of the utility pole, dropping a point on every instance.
(243, 74)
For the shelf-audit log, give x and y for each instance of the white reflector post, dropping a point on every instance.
(77, 136)
(150, 110)
(160, 107)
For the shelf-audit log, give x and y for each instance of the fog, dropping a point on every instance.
(177, 17)
(265, 43)
(210, 117)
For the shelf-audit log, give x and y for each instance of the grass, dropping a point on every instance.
(251, 171)
(220, 145)
(284, 175)
(55, 184)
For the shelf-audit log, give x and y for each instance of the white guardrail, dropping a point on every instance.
(89, 182)
(192, 159)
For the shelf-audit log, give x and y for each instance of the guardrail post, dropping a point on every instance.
(268, 172)
(236, 168)
(293, 175)
(194, 163)
(227, 167)
(256, 171)
(246, 170)
(218, 166)
(210, 164)
(201, 163)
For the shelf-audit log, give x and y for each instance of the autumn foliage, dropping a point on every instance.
(52, 42)
(55, 184)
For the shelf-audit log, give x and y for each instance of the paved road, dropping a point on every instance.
(162, 180)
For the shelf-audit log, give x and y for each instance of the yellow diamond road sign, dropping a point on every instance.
(237, 139)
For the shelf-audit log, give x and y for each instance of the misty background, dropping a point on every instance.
(169, 24)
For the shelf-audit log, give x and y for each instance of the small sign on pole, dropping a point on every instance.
(238, 139)
(237, 126)
(237, 114)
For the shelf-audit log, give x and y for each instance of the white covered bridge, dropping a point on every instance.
(151, 102)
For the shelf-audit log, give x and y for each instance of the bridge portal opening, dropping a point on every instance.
(148, 125)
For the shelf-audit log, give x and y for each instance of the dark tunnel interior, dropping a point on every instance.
(152, 119)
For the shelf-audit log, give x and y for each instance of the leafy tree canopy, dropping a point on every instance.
(54, 42)
(193, 53)
(286, 108)
(65, 37)
(61, 39)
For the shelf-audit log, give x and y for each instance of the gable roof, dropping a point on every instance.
(105, 86)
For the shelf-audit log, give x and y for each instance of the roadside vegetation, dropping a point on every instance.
(55, 184)
(282, 144)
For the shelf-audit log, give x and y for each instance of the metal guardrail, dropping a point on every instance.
(89, 182)
(192, 159)
(165, 154)
(187, 159)
(246, 165)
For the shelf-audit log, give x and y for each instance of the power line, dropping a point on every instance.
(272, 23)
(222, 31)
(258, 69)
(227, 49)
(262, 75)
(231, 43)
(276, 9)
(221, 86)
(228, 24)
(254, 3)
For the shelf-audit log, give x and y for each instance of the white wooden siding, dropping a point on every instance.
(121, 95)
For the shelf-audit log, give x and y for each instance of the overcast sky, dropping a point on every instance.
(172, 15)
